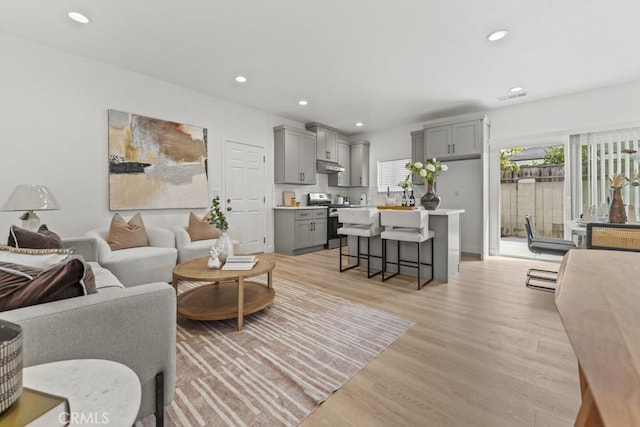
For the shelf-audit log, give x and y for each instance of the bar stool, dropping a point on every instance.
(406, 226)
(359, 222)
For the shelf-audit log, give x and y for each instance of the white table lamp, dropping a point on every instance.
(30, 198)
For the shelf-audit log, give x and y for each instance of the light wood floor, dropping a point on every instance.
(485, 350)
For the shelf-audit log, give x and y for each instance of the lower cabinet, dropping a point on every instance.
(299, 230)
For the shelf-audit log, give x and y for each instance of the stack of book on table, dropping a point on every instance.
(240, 262)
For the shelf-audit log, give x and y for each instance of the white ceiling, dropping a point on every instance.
(383, 62)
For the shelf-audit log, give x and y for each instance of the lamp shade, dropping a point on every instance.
(31, 197)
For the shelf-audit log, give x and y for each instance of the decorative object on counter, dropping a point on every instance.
(617, 214)
(214, 261)
(631, 215)
(10, 363)
(430, 200)
(429, 170)
(404, 200)
(288, 198)
(223, 245)
(412, 199)
(389, 201)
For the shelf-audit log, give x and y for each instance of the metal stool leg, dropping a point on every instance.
(547, 276)
(341, 255)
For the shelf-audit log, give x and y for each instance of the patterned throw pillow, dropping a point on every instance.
(41, 239)
(37, 258)
(200, 229)
(123, 235)
(23, 286)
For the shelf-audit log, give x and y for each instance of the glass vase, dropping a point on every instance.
(224, 245)
(617, 214)
(430, 200)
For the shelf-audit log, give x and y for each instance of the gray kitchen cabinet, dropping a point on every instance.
(456, 141)
(417, 153)
(462, 143)
(342, 179)
(294, 155)
(299, 231)
(360, 164)
(326, 141)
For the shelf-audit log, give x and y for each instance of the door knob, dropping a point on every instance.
(228, 200)
(228, 208)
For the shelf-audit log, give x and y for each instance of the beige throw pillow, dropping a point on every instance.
(200, 229)
(123, 235)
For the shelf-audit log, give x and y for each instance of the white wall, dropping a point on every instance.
(53, 131)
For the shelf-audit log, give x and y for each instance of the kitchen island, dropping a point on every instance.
(445, 223)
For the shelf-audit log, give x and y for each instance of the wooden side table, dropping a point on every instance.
(224, 294)
(98, 391)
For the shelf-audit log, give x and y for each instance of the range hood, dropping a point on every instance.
(324, 166)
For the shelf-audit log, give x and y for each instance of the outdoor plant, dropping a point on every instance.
(506, 162)
(554, 155)
(216, 216)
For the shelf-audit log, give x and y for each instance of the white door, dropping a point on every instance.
(244, 198)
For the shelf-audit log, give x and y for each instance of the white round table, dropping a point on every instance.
(99, 391)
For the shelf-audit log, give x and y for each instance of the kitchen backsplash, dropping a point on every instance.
(322, 186)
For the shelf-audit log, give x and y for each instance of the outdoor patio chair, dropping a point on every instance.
(538, 278)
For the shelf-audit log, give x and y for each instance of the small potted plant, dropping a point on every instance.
(223, 245)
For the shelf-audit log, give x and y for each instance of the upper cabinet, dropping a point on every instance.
(294, 155)
(417, 153)
(360, 164)
(326, 141)
(455, 141)
(342, 179)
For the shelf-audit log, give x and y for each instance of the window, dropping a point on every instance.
(391, 173)
(597, 156)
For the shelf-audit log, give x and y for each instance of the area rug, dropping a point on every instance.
(288, 359)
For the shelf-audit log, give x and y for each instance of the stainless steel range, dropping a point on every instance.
(324, 199)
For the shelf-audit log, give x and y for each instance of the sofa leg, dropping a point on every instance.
(159, 399)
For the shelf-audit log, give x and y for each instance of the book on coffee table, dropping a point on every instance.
(240, 262)
(35, 408)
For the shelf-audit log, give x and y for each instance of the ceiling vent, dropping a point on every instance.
(512, 96)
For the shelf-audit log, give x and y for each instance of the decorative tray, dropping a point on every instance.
(398, 208)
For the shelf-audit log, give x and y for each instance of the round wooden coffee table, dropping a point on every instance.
(224, 294)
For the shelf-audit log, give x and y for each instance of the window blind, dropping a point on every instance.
(391, 173)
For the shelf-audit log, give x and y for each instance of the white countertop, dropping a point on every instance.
(299, 207)
(439, 212)
(446, 212)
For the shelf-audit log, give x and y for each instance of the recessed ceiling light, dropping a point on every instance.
(78, 17)
(359, 124)
(303, 102)
(497, 35)
(516, 89)
(241, 79)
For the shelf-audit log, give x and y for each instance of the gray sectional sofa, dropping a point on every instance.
(135, 326)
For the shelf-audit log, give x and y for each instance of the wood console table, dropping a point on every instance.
(598, 298)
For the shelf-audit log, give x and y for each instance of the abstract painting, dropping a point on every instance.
(156, 164)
